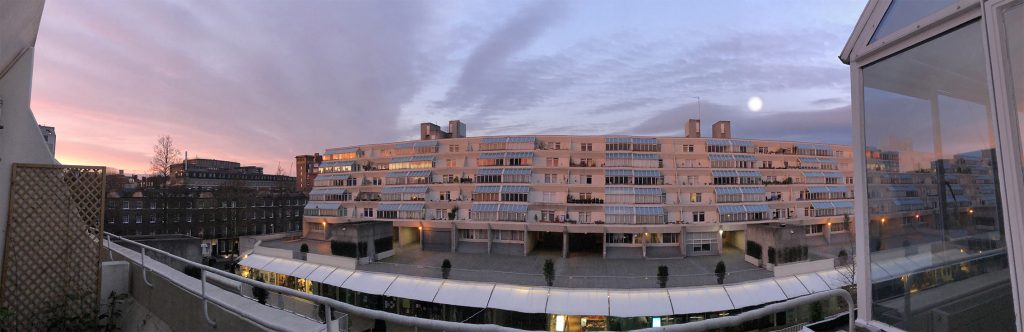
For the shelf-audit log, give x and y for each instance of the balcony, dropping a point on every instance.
(573, 200)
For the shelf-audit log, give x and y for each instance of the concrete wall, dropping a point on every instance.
(664, 251)
(274, 252)
(407, 235)
(437, 239)
(504, 248)
(623, 252)
(181, 246)
(472, 247)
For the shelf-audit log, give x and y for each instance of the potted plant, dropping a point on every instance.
(720, 272)
(304, 248)
(549, 272)
(662, 276)
(259, 293)
(446, 268)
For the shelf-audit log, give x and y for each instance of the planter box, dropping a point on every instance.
(752, 260)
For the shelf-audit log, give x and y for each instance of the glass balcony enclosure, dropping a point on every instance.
(939, 168)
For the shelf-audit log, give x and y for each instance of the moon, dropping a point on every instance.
(754, 104)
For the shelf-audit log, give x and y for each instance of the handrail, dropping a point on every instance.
(730, 321)
(328, 303)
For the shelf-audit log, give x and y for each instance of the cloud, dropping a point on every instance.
(235, 80)
(262, 82)
(827, 126)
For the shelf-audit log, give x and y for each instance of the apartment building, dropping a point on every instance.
(305, 171)
(618, 196)
(214, 200)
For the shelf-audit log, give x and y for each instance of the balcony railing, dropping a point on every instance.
(142, 258)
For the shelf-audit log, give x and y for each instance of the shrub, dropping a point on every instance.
(304, 248)
(549, 272)
(446, 268)
(662, 276)
(720, 272)
(843, 257)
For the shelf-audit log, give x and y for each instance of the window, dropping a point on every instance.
(698, 216)
(367, 213)
(126, 204)
(814, 229)
(694, 197)
(933, 100)
(691, 180)
(551, 161)
(588, 179)
(450, 163)
(453, 148)
(125, 218)
(838, 227)
(766, 164)
(762, 149)
(586, 147)
(152, 218)
(687, 147)
(446, 196)
(553, 145)
(550, 178)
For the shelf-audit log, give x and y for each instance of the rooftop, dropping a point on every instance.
(578, 271)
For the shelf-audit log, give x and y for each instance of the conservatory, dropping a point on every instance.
(933, 81)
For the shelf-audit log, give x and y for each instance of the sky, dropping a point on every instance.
(260, 82)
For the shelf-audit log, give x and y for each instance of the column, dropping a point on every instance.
(565, 243)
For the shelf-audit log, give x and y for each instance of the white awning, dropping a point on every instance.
(369, 283)
(699, 299)
(464, 293)
(320, 273)
(755, 293)
(792, 286)
(256, 261)
(282, 266)
(304, 270)
(338, 277)
(813, 282)
(414, 288)
(639, 303)
(578, 302)
(834, 278)
(530, 300)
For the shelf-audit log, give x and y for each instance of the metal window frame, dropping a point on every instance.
(861, 54)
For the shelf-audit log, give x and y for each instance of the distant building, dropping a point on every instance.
(50, 135)
(212, 173)
(214, 200)
(305, 171)
(217, 216)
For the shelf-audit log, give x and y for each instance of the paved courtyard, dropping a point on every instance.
(581, 271)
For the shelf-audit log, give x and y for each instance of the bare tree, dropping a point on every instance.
(280, 170)
(165, 154)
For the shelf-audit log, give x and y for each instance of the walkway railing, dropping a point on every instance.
(328, 304)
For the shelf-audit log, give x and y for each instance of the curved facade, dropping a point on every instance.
(621, 196)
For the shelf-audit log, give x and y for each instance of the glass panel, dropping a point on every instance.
(1012, 21)
(937, 253)
(902, 13)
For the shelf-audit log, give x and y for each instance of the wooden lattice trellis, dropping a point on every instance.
(52, 252)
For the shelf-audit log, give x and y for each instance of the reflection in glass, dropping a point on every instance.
(1013, 23)
(938, 255)
(902, 13)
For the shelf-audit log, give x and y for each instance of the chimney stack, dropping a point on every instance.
(693, 128)
(721, 129)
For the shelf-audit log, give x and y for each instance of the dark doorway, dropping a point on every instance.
(585, 244)
(548, 241)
